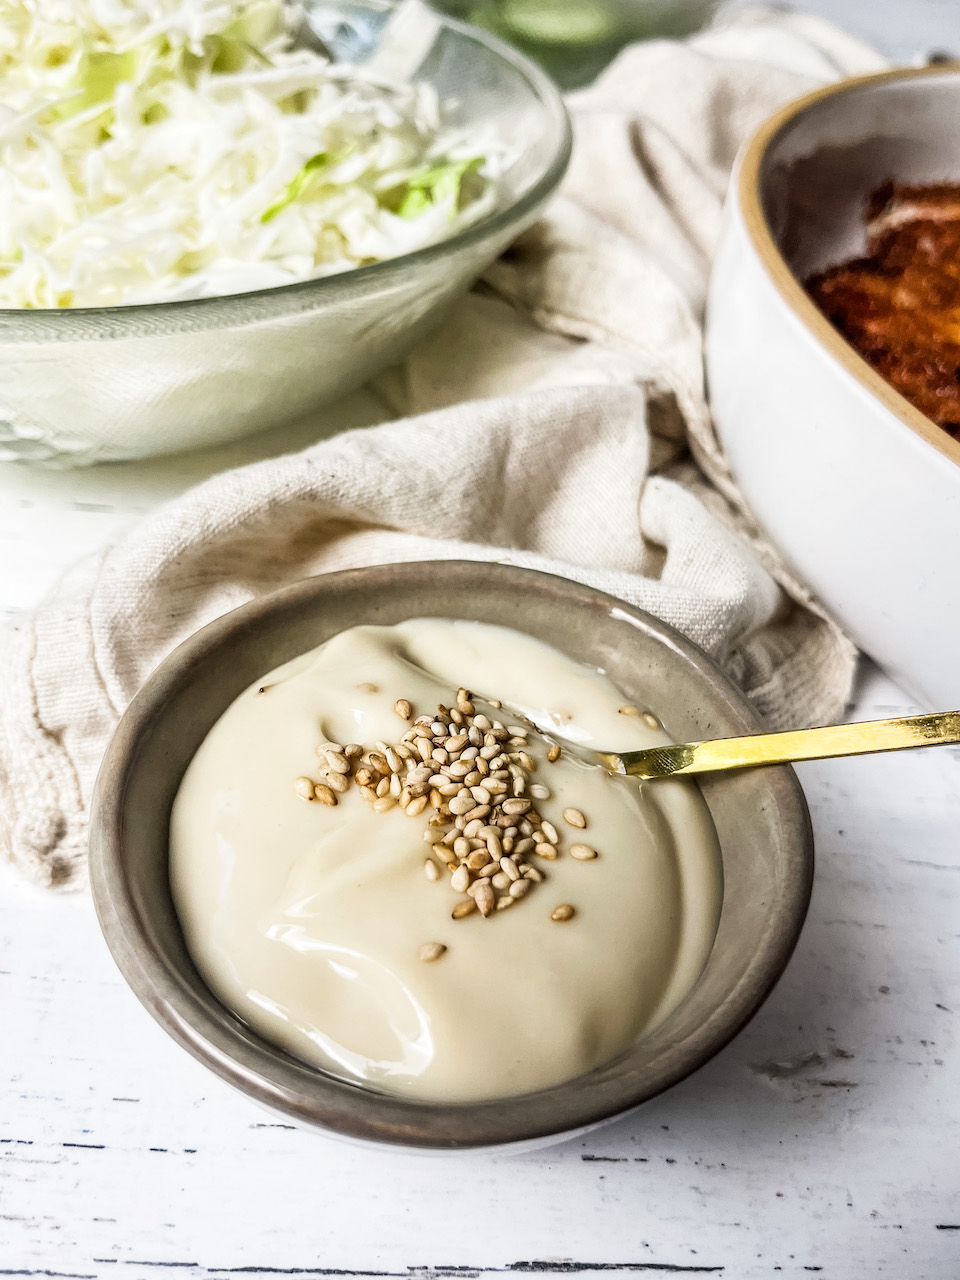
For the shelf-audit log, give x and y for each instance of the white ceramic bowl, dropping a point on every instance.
(860, 492)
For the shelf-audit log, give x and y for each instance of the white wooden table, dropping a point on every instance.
(825, 1140)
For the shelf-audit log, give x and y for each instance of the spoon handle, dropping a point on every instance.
(795, 744)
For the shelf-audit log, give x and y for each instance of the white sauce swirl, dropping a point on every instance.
(307, 919)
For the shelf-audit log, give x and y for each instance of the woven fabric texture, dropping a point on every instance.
(558, 420)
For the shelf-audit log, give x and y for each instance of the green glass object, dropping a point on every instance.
(575, 39)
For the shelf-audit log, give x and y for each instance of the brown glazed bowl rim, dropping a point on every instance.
(201, 1025)
(748, 185)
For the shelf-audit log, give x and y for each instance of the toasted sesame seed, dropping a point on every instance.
(431, 951)
(516, 805)
(582, 852)
(483, 897)
(651, 721)
(460, 879)
(563, 912)
(629, 711)
(324, 794)
(474, 774)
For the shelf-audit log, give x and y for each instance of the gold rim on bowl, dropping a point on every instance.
(758, 229)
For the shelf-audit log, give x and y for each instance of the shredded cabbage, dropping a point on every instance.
(159, 149)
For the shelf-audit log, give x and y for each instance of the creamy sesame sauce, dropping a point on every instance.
(313, 921)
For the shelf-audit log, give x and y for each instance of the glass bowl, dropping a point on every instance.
(88, 385)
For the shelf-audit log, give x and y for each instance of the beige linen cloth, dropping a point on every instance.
(557, 420)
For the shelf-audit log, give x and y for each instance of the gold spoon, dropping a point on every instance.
(785, 748)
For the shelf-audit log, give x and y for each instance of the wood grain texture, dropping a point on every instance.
(824, 1137)
(823, 1141)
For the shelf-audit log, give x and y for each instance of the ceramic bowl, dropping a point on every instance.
(760, 816)
(86, 385)
(858, 490)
